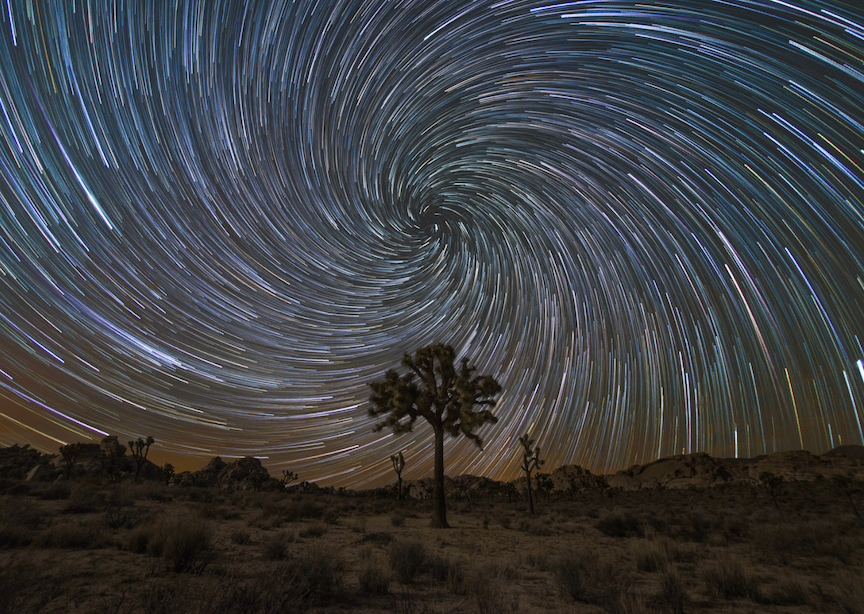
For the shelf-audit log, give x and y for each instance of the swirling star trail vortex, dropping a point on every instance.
(220, 220)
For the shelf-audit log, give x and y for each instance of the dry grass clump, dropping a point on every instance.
(374, 577)
(407, 558)
(672, 594)
(621, 524)
(790, 591)
(450, 572)
(650, 556)
(316, 529)
(488, 587)
(850, 598)
(84, 534)
(184, 543)
(18, 523)
(731, 578)
(276, 546)
(241, 537)
(604, 583)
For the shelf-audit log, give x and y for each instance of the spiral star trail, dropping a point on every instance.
(221, 220)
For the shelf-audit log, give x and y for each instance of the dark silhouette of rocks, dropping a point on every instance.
(699, 470)
(242, 474)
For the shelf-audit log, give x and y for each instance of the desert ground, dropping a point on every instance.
(93, 545)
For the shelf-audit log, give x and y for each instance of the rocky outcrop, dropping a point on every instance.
(574, 478)
(242, 474)
(17, 461)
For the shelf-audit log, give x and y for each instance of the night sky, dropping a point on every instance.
(219, 222)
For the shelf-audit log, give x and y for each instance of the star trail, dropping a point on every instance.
(220, 220)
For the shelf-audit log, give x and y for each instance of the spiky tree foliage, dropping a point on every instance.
(530, 462)
(398, 465)
(444, 397)
(139, 450)
(773, 483)
(70, 453)
(167, 472)
(287, 478)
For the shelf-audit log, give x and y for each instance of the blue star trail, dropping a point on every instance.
(220, 220)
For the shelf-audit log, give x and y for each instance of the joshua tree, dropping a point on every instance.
(398, 465)
(444, 398)
(530, 462)
(287, 478)
(772, 483)
(139, 450)
(70, 454)
(167, 472)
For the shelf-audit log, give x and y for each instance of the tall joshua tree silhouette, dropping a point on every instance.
(444, 397)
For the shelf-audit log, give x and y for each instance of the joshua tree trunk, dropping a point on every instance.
(530, 495)
(439, 506)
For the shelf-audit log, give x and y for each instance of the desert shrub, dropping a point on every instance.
(331, 516)
(731, 578)
(85, 500)
(276, 546)
(316, 529)
(538, 529)
(214, 511)
(851, 595)
(587, 580)
(621, 525)
(504, 520)
(407, 559)
(73, 535)
(488, 592)
(538, 560)
(672, 594)
(120, 518)
(185, 544)
(358, 525)
(790, 591)
(241, 537)
(817, 538)
(650, 556)
(695, 527)
(320, 571)
(55, 492)
(678, 552)
(397, 518)
(13, 535)
(374, 577)
(18, 521)
(457, 581)
(302, 509)
(736, 529)
(139, 540)
(14, 488)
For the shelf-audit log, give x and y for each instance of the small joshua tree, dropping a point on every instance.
(139, 450)
(70, 454)
(530, 462)
(772, 483)
(287, 478)
(398, 465)
(167, 472)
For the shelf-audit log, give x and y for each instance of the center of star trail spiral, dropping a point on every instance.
(221, 220)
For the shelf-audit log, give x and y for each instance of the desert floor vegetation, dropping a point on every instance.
(97, 546)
